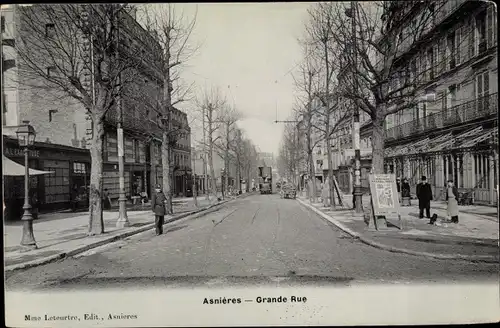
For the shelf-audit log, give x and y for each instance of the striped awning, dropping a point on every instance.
(11, 168)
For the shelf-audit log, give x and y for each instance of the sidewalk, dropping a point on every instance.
(475, 237)
(65, 234)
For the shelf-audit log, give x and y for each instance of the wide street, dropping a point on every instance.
(260, 239)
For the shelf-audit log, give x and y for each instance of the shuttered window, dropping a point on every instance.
(490, 26)
(472, 32)
(464, 42)
(457, 45)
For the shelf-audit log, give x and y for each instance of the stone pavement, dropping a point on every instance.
(475, 237)
(60, 233)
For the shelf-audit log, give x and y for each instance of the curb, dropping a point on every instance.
(52, 258)
(356, 235)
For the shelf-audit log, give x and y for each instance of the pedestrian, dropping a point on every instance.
(452, 200)
(158, 206)
(74, 198)
(353, 199)
(398, 187)
(424, 195)
(34, 204)
(405, 192)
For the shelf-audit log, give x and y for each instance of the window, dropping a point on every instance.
(57, 186)
(413, 69)
(51, 113)
(472, 39)
(79, 168)
(481, 31)
(451, 50)
(129, 150)
(50, 30)
(482, 90)
(430, 63)
(111, 148)
(3, 24)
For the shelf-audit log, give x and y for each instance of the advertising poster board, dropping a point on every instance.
(384, 197)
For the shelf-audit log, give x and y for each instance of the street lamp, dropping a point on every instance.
(26, 138)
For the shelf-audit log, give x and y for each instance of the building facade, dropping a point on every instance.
(452, 134)
(63, 123)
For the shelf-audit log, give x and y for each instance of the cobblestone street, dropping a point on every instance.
(260, 239)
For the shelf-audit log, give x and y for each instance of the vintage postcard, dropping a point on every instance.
(246, 164)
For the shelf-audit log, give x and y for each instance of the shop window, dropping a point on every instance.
(57, 184)
(79, 168)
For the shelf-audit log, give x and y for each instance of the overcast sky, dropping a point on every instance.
(247, 51)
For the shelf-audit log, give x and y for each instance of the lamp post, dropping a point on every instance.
(122, 220)
(26, 137)
(358, 194)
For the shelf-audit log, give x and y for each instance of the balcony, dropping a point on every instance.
(132, 123)
(466, 112)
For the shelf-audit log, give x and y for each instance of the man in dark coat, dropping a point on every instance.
(158, 207)
(405, 192)
(424, 195)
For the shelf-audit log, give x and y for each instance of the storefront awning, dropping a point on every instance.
(11, 168)
(485, 135)
(452, 141)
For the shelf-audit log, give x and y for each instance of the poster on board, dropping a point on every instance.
(384, 193)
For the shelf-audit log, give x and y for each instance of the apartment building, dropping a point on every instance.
(63, 127)
(451, 134)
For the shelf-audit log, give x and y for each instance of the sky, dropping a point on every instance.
(249, 51)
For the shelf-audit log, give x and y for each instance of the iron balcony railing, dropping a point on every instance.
(462, 113)
(134, 123)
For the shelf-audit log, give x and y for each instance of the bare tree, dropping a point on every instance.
(290, 153)
(77, 56)
(249, 161)
(308, 84)
(211, 104)
(320, 40)
(227, 118)
(370, 39)
(173, 32)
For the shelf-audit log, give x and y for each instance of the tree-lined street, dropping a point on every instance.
(257, 239)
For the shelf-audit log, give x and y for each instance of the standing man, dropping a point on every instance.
(158, 206)
(405, 193)
(424, 195)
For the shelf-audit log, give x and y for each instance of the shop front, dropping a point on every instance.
(70, 169)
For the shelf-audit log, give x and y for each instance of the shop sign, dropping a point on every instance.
(13, 152)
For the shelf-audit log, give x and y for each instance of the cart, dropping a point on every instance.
(288, 191)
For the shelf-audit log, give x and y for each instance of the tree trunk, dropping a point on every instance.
(331, 185)
(194, 184)
(96, 220)
(238, 177)
(212, 171)
(312, 178)
(167, 183)
(226, 162)
(312, 173)
(152, 177)
(378, 145)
